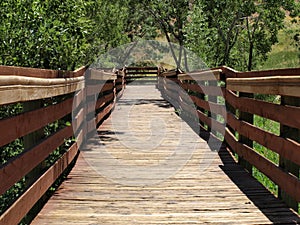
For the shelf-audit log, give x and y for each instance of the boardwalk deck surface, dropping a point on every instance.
(151, 168)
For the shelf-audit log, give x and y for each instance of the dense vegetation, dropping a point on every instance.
(67, 34)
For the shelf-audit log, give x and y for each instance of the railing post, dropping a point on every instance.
(247, 117)
(287, 165)
(212, 99)
(29, 141)
(32, 139)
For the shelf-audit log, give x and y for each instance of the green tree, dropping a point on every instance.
(235, 33)
(59, 34)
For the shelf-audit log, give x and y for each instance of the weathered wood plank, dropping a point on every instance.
(289, 115)
(25, 123)
(144, 130)
(286, 86)
(289, 183)
(19, 89)
(23, 164)
(27, 200)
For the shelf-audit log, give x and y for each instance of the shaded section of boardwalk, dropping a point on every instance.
(151, 168)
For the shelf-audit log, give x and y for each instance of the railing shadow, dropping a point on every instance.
(272, 207)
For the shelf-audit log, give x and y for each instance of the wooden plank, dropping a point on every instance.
(288, 114)
(210, 106)
(23, 124)
(285, 162)
(79, 72)
(289, 183)
(27, 200)
(229, 72)
(139, 72)
(100, 116)
(78, 120)
(171, 73)
(79, 98)
(276, 85)
(269, 73)
(284, 147)
(209, 188)
(14, 170)
(212, 123)
(95, 89)
(19, 89)
(104, 100)
(201, 75)
(32, 72)
(101, 75)
(207, 90)
(141, 68)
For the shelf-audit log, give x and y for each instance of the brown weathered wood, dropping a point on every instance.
(285, 147)
(27, 200)
(288, 85)
(14, 170)
(218, 191)
(95, 89)
(213, 124)
(100, 75)
(20, 89)
(210, 106)
(207, 90)
(289, 183)
(247, 117)
(288, 114)
(100, 116)
(269, 73)
(25, 123)
(210, 75)
(285, 162)
(141, 68)
(140, 72)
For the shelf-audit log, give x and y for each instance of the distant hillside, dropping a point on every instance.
(284, 54)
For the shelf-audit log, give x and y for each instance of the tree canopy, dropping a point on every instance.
(67, 34)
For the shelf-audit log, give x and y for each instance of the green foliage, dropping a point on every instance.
(58, 34)
(235, 33)
(272, 127)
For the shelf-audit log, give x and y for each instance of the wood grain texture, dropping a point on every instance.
(286, 115)
(24, 163)
(210, 75)
(40, 73)
(144, 132)
(289, 183)
(27, 200)
(19, 88)
(20, 125)
(275, 85)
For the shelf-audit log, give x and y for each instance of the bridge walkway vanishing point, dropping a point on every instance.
(152, 168)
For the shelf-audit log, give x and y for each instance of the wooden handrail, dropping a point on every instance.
(21, 89)
(216, 117)
(275, 85)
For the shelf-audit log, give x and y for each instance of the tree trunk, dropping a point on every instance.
(250, 58)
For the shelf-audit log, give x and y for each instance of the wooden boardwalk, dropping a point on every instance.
(151, 168)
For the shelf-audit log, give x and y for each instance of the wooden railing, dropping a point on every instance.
(225, 102)
(147, 73)
(48, 96)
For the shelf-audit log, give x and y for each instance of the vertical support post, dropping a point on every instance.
(212, 99)
(287, 165)
(247, 117)
(31, 139)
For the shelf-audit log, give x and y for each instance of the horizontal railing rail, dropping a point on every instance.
(134, 73)
(225, 103)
